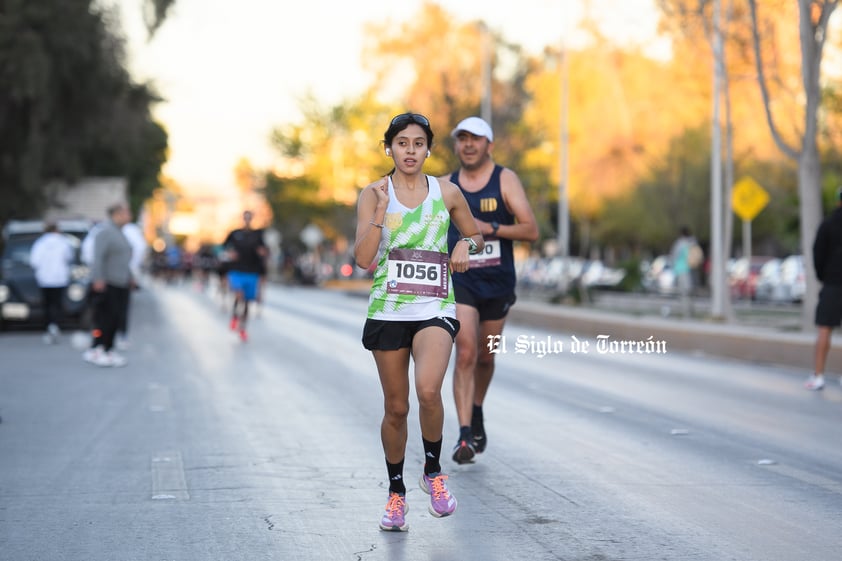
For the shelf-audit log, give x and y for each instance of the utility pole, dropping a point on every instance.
(717, 261)
(563, 207)
(486, 72)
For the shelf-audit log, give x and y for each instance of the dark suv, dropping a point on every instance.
(20, 296)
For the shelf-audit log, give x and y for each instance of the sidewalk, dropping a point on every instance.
(749, 342)
(773, 338)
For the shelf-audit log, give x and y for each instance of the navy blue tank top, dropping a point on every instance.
(487, 281)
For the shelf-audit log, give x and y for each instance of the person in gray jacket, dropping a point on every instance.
(111, 278)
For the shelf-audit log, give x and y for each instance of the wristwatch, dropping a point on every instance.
(494, 227)
(472, 245)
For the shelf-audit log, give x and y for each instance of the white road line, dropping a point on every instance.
(168, 481)
(159, 398)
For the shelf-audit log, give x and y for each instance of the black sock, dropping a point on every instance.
(396, 484)
(432, 453)
(465, 433)
(476, 419)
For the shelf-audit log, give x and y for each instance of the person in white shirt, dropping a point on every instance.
(134, 234)
(50, 258)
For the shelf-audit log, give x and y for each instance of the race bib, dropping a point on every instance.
(488, 257)
(418, 272)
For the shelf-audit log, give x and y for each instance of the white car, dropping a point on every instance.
(793, 278)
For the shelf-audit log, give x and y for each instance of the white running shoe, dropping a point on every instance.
(110, 359)
(92, 355)
(814, 382)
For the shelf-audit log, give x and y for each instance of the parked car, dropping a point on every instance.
(793, 278)
(553, 273)
(20, 296)
(769, 287)
(744, 275)
(659, 277)
(597, 275)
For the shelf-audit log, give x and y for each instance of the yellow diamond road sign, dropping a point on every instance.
(748, 198)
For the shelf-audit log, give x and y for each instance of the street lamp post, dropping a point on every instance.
(717, 278)
(563, 208)
(486, 72)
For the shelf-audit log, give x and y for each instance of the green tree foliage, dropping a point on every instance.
(675, 192)
(131, 144)
(639, 126)
(324, 162)
(445, 81)
(294, 208)
(68, 107)
(334, 152)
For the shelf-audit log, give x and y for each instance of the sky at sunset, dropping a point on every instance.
(231, 70)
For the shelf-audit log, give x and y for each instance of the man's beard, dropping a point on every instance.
(475, 165)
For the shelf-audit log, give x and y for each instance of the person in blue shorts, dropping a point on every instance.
(485, 292)
(246, 251)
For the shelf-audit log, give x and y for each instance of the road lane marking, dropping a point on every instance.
(168, 480)
(806, 477)
(159, 398)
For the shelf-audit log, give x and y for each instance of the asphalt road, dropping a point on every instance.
(205, 448)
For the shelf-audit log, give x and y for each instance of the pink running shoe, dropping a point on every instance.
(814, 382)
(442, 503)
(394, 518)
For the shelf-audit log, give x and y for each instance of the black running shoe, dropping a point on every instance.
(479, 442)
(464, 452)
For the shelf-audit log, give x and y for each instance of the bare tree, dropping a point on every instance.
(716, 28)
(813, 19)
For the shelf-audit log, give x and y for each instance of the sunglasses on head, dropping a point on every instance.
(410, 118)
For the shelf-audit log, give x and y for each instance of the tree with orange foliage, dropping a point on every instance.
(813, 18)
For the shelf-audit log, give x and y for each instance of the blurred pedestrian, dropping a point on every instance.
(247, 252)
(111, 280)
(134, 234)
(684, 257)
(222, 267)
(51, 257)
(827, 260)
(402, 223)
(206, 263)
(485, 293)
(86, 256)
(86, 251)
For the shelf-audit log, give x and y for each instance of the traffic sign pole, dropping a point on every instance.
(748, 198)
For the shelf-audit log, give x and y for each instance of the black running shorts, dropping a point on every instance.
(829, 308)
(383, 335)
(489, 309)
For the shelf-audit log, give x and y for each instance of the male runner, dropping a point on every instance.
(246, 251)
(485, 292)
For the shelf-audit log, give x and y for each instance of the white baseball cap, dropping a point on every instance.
(475, 126)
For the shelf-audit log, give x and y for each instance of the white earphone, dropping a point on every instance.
(428, 153)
